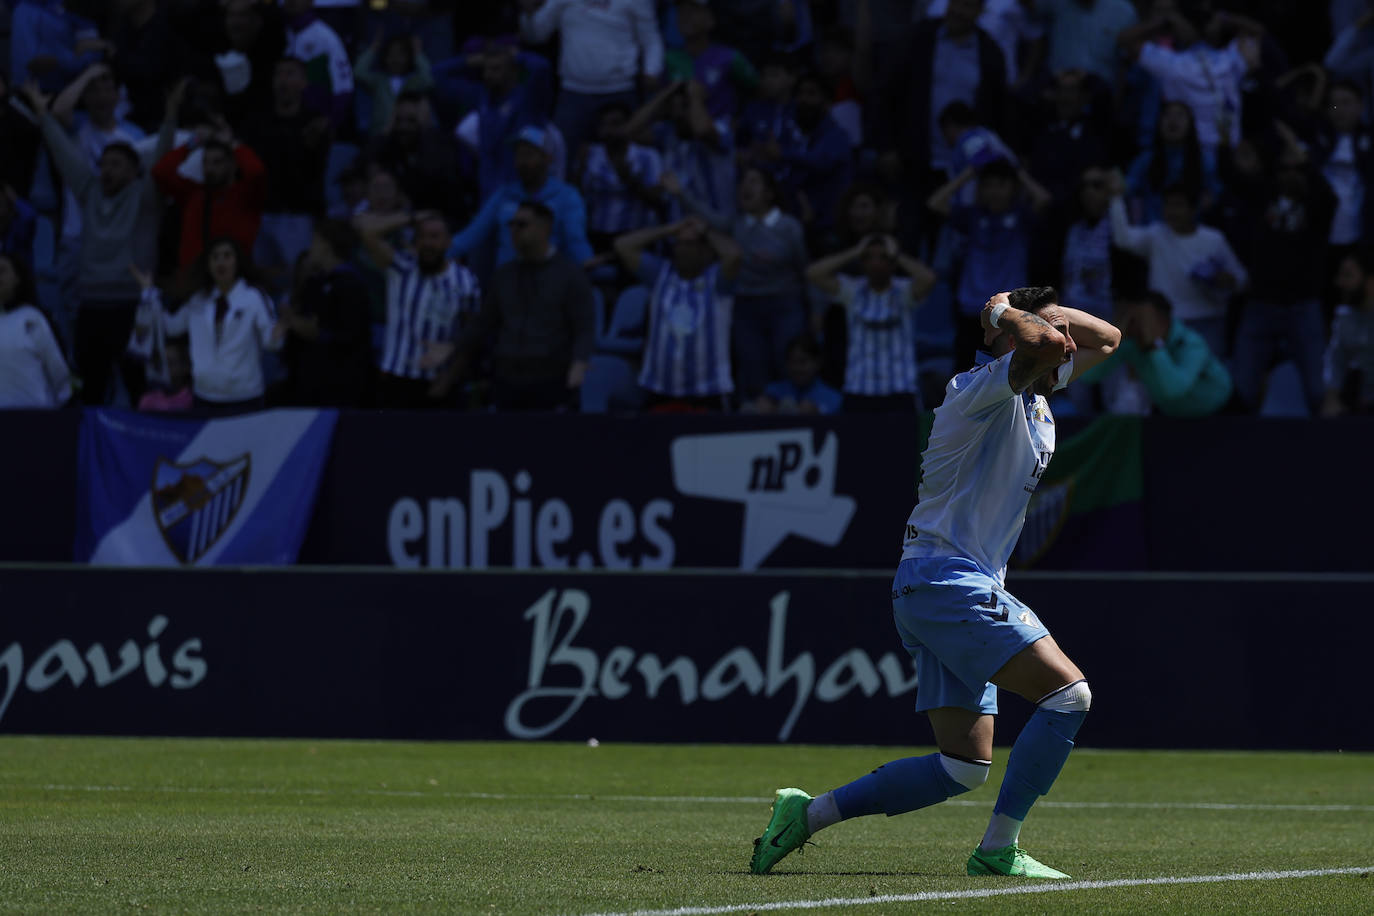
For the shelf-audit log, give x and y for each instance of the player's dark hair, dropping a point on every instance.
(1032, 298)
(957, 114)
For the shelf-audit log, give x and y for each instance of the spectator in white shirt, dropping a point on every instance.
(1204, 75)
(32, 371)
(603, 46)
(1192, 265)
(230, 323)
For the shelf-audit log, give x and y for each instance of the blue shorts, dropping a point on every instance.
(961, 628)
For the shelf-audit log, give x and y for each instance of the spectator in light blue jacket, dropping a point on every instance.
(532, 183)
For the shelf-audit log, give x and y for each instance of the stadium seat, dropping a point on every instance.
(1283, 396)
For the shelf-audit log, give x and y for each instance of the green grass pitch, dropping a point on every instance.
(130, 825)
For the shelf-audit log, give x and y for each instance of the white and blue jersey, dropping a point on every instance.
(687, 347)
(422, 309)
(613, 208)
(988, 448)
(882, 337)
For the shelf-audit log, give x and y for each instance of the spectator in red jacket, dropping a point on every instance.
(228, 201)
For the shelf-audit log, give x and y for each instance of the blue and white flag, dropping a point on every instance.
(159, 491)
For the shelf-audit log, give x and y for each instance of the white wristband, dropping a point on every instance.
(997, 311)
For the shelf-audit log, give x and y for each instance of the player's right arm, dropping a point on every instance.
(1037, 346)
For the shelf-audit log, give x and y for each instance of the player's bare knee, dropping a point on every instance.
(1074, 697)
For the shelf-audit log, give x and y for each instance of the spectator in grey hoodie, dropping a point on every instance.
(770, 291)
(120, 206)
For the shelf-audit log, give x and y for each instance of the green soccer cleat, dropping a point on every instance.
(1011, 861)
(786, 830)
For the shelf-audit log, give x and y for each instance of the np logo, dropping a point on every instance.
(784, 478)
(195, 503)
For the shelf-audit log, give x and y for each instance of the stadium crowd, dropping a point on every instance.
(744, 205)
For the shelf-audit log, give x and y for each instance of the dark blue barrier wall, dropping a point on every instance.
(1174, 662)
(436, 490)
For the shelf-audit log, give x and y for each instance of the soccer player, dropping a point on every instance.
(991, 441)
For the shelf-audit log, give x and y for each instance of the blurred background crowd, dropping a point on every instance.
(630, 205)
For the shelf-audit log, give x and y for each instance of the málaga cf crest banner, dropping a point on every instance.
(159, 491)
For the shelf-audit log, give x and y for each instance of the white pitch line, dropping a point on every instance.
(671, 799)
(1056, 888)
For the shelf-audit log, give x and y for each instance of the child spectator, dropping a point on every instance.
(997, 229)
(801, 391)
(175, 395)
(405, 68)
(880, 371)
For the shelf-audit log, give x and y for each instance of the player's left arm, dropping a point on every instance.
(1096, 339)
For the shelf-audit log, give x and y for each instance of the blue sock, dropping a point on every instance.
(1036, 759)
(897, 787)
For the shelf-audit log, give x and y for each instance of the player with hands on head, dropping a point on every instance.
(990, 443)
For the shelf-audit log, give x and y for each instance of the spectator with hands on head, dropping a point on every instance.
(691, 298)
(880, 369)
